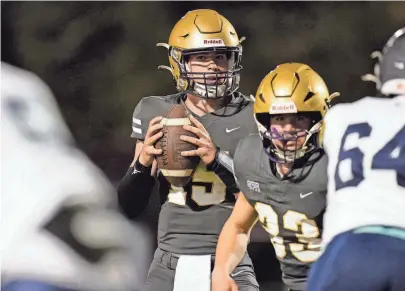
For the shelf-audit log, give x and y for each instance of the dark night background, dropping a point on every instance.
(100, 59)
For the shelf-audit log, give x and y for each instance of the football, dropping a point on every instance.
(174, 167)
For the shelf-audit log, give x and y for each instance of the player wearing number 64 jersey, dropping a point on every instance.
(282, 175)
(364, 225)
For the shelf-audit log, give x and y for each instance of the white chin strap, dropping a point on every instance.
(289, 156)
(210, 91)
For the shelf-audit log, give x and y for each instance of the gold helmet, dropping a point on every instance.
(292, 88)
(197, 32)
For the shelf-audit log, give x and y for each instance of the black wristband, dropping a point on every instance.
(214, 164)
(139, 168)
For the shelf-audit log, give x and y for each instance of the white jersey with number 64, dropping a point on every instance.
(365, 143)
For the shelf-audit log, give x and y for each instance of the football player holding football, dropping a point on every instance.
(364, 224)
(61, 231)
(281, 173)
(205, 60)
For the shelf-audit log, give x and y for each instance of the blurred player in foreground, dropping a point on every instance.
(205, 59)
(282, 175)
(59, 227)
(364, 225)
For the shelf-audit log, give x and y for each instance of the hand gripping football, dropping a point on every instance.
(177, 169)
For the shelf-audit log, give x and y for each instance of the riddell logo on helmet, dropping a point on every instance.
(285, 107)
(213, 42)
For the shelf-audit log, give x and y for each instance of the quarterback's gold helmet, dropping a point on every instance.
(292, 88)
(203, 31)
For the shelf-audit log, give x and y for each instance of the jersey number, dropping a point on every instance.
(308, 247)
(390, 157)
(206, 189)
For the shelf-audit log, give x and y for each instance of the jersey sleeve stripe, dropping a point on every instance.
(136, 121)
(137, 130)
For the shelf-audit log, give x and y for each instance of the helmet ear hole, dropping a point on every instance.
(186, 59)
(266, 143)
(264, 119)
(314, 116)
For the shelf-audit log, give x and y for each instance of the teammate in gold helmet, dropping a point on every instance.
(205, 61)
(292, 92)
(281, 172)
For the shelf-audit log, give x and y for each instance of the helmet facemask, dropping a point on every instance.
(209, 85)
(270, 135)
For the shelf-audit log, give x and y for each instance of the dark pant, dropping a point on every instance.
(360, 262)
(162, 271)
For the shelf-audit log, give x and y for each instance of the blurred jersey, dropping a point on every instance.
(365, 142)
(59, 225)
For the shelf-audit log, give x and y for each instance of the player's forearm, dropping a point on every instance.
(134, 190)
(231, 247)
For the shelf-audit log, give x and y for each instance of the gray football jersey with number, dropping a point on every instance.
(290, 209)
(192, 217)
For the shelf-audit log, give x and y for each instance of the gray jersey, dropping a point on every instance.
(289, 209)
(192, 217)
